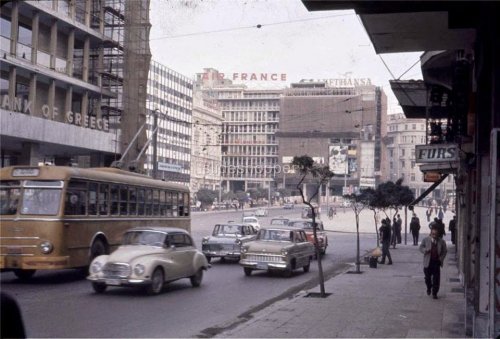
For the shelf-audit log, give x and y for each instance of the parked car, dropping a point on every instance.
(226, 240)
(307, 212)
(261, 212)
(307, 226)
(149, 257)
(288, 206)
(252, 221)
(281, 221)
(278, 248)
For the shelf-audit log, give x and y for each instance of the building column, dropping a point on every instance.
(86, 55)
(12, 87)
(72, 9)
(14, 32)
(69, 99)
(85, 104)
(51, 98)
(30, 154)
(35, 24)
(32, 94)
(53, 44)
(71, 50)
(87, 12)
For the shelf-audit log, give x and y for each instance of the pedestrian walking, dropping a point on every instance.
(415, 228)
(399, 224)
(440, 213)
(394, 235)
(428, 213)
(330, 213)
(452, 227)
(434, 249)
(385, 236)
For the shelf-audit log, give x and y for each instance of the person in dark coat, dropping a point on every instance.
(415, 228)
(11, 324)
(452, 227)
(434, 249)
(385, 236)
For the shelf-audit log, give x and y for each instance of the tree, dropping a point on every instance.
(317, 175)
(358, 203)
(374, 204)
(393, 196)
(206, 196)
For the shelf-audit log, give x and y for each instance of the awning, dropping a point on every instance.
(412, 96)
(427, 191)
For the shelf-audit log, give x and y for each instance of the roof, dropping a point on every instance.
(159, 229)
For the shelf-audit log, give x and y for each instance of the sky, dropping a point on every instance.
(188, 36)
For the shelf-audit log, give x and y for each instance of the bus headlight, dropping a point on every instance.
(139, 269)
(96, 267)
(46, 247)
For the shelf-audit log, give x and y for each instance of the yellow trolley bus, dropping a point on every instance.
(62, 217)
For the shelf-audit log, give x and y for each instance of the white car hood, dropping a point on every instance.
(129, 253)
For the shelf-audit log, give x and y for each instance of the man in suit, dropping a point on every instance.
(434, 249)
(385, 235)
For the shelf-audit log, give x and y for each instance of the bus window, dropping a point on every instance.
(123, 200)
(92, 199)
(156, 202)
(169, 204)
(114, 194)
(163, 203)
(140, 201)
(75, 200)
(132, 206)
(103, 199)
(9, 197)
(149, 202)
(175, 204)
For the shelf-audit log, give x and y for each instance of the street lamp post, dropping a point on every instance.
(155, 143)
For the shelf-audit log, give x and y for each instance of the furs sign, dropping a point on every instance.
(25, 106)
(436, 153)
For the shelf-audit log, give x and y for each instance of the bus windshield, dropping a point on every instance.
(41, 197)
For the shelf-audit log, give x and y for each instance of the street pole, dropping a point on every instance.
(155, 143)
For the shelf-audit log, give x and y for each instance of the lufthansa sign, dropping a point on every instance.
(436, 153)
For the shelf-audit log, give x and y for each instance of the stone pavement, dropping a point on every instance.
(389, 301)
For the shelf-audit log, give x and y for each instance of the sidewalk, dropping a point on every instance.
(389, 301)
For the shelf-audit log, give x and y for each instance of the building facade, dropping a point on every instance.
(170, 108)
(62, 81)
(338, 122)
(248, 142)
(206, 156)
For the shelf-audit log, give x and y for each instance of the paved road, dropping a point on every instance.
(61, 304)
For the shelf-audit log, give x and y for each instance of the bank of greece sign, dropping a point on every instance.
(436, 153)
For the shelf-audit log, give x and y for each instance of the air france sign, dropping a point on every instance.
(436, 153)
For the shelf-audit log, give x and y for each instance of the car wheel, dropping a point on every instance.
(24, 274)
(157, 280)
(99, 287)
(287, 273)
(307, 267)
(209, 259)
(222, 259)
(98, 248)
(248, 271)
(197, 278)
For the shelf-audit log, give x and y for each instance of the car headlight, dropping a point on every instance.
(238, 242)
(96, 267)
(46, 247)
(139, 269)
(244, 249)
(204, 240)
(284, 251)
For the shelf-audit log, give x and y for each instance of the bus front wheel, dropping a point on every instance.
(24, 274)
(98, 248)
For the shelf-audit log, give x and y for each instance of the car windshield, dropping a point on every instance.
(149, 238)
(227, 230)
(10, 195)
(275, 235)
(249, 219)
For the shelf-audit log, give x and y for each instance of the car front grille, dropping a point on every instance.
(264, 258)
(116, 270)
(219, 247)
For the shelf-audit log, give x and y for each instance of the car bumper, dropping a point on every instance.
(225, 254)
(260, 265)
(10, 262)
(119, 281)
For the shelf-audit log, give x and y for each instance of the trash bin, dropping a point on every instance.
(373, 262)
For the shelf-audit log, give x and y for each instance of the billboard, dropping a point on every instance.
(337, 159)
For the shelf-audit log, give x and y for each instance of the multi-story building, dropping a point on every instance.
(248, 141)
(402, 136)
(338, 122)
(170, 103)
(205, 148)
(62, 85)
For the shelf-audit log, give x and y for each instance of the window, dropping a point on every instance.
(140, 201)
(92, 198)
(403, 152)
(179, 240)
(103, 199)
(123, 200)
(115, 190)
(75, 201)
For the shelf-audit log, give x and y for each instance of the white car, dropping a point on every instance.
(149, 257)
(261, 212)
(252, 221)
